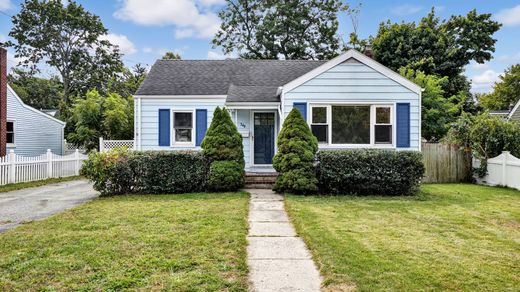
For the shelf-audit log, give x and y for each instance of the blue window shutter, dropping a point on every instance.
(403, 125)
(302, 107)
(164, 127)
(201, 125)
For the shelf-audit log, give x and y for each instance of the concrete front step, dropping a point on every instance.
(264, 186)
(260, 180)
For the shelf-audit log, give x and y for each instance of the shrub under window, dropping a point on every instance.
(370, 172)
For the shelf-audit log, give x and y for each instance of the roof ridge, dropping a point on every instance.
(240, 60)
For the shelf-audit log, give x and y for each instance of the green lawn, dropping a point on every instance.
(192, 242)
(449, 237)
(36, 183)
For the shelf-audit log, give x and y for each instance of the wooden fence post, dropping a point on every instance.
(12, 167)
(49, 163)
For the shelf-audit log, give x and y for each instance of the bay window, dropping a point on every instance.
(182, 127)
(352, 124)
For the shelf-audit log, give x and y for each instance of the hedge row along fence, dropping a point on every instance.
(122, 172)
(358, 172)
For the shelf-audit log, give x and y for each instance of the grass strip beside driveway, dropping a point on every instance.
(36, 183)
(191, 242)
(450, 237)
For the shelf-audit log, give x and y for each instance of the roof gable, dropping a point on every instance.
(346, 57)
(20, 101)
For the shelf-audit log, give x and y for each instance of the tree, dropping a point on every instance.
(35, 91)
(171, 56)
(222, 140)
(67, 38)
(438, 112)
(127, 82)
(270, 29)
(100, 116)
(223, 146)
(294, 160)
(486, 136)
(506, 92)
(438, 48)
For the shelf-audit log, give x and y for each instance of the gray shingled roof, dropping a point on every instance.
(241, 80)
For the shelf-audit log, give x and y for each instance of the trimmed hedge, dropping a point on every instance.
(123, 172)
(370, 172)
(225, 176)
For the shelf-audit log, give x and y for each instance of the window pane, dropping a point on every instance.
(382, 115)
(351, 124)
(182, 120)
(383, 134)
(319, 115)
(10, 127)
(321, 132)
(182, 135)
(10, 138)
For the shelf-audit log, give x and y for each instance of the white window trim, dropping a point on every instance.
(174, 143)
(391, 123)
(327, 122)
(14, 133)
(372, 144)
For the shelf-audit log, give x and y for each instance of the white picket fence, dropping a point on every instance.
(105, 145)
(503, 170)
(17, 168)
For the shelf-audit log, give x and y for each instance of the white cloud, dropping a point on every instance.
(510, 16)
(125, 45)
(147, 50)
(211, 2)
(510, 58)
(3, 38)
(478, 66)
(5, 5)
(188, 20)
(406, 9)
(212, 55)
(484, 81)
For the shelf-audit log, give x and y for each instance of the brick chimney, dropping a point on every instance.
(368, 51)
(3, 101)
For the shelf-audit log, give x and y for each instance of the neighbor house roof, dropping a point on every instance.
(240, 80)
(514, 115)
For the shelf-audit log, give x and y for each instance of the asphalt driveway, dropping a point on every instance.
(38, 203)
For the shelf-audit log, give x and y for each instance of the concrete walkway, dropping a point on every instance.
(38, 203)
(278, 259)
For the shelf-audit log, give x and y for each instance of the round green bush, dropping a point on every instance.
(225, 176)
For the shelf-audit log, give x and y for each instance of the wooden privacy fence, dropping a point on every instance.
(16, 168)
(445, 163)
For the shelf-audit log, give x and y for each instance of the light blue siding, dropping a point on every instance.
(243, 119)
(34, 131)
(353, 81)
(149, 115)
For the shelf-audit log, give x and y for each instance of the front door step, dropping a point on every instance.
(259, 180)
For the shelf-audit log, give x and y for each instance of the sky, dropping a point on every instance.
(146, 29)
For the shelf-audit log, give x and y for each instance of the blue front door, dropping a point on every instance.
(263, 138)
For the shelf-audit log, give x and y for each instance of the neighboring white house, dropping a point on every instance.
(351, 101)
(29, 131)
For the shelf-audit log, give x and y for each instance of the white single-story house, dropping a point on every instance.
(351, 101)
(31, 132)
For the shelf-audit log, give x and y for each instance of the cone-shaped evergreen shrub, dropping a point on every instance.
(294, 161)
(223, 142)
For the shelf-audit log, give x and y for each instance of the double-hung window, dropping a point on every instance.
(319, 123)
(183, 128)
(352, 124)
(10, 132)
(383, 125)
